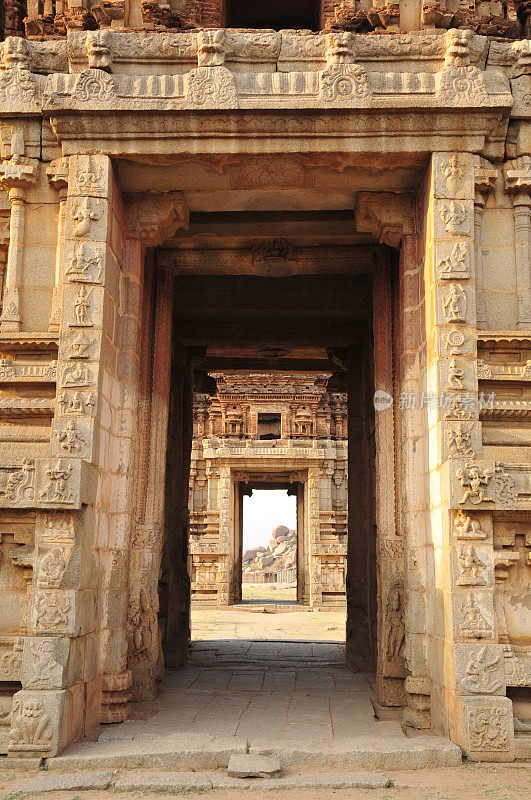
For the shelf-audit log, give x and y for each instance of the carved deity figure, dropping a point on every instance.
(51, 610)
(474, 625)
(488, 728)
(44, 663)
(453, 172)
(481, 673)
(56, 491)
(459, 441)
(139, 624)
(455, 375)
(474, 481)
(81, 307)
(70, 438)
(455, 304)
(53, 567)
(394, 617)
(470, 566)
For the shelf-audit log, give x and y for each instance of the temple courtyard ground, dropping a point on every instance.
(265, 681)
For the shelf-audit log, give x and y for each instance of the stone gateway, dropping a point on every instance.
(218, 223)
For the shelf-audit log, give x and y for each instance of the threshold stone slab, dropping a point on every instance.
(163, 782)
(249, 765)
(56, 782)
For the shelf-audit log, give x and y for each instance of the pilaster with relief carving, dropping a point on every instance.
(518, 185)
(17, 176)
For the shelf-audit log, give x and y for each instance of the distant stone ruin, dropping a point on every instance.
(276, 563)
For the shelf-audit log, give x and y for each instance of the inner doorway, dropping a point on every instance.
(269, 546)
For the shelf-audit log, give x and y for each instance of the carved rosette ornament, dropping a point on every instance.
(211, 88)
(462, 86)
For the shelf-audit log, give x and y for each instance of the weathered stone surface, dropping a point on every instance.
(66, 781)
(249, 765)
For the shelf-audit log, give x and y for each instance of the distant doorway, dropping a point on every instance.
(269, 546)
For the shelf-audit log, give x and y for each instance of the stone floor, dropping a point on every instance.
(261, 691)
(260, 682)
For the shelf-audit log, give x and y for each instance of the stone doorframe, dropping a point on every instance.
(83, 492)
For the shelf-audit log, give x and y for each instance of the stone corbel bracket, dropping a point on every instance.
(153, 218)
(388, 215)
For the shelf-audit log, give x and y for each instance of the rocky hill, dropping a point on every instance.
(279, 555)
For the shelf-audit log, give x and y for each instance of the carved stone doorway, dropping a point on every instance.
(269, 574)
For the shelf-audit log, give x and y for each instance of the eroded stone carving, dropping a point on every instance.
(455, 304)
(459, 440)
(455, 217)
(31, 726)
(84, 212)
(454, 172)
(343, 82)
(52, 568)
(482, 673)
(18, 485)
(76, 375)
(76, 404)
(467, 527)
(86, 265)
(455, 375)
(457, 265)
(44, 671)
(94, 84)
(71, 439)
(57, 490)
(211, 87)
(471, 568)
(395, 629)
(488, 728)
(475, 624)
(474, 481)
(52, 611)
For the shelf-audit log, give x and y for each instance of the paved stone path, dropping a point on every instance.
(264, 691)
(258, 683)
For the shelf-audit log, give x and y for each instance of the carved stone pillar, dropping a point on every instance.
(484, 178)
(314, 561)
(518, 185)
(58, 176)
(16, 176)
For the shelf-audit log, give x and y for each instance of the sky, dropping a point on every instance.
(262, 512)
